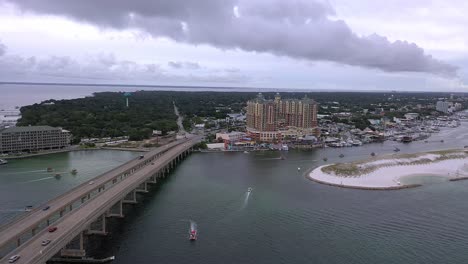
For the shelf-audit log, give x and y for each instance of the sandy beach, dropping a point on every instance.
(390, 172)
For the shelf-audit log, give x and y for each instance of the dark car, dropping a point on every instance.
(52, 229)
(45, 242)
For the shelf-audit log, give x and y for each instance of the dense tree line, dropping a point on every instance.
(106, 115)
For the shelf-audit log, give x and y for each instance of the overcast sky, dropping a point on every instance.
(417, 45)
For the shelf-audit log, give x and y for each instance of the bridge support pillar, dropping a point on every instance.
(75, 248)
(98, 227)
(143, 188)
(130, 198)
(152, 179)
(116, 210)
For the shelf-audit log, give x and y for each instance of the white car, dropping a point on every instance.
(13, 258)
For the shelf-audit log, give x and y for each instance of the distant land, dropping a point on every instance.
(218, 88)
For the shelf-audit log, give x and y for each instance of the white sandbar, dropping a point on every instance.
(390, 173)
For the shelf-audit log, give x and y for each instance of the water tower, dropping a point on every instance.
(127, 95)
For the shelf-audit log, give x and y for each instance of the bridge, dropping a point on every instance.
(83, 210)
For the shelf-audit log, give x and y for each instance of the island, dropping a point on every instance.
(390, 172)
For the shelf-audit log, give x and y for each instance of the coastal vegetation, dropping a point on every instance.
(362, 167)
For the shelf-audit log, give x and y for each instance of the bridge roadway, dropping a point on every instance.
(10, 233)
(72, 224)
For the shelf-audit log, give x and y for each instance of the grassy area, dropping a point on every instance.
(358, 168)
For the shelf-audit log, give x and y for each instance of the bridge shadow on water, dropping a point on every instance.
(103, 246)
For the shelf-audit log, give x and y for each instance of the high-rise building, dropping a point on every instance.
(270, 120)
(443, 106)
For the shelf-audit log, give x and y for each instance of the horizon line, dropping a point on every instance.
(255, 89)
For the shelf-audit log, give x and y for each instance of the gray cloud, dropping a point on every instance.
(184, 65)
(298, 28)
(105, 68)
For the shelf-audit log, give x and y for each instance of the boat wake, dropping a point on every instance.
(246, 199)
(25, 172)
(36, 180)
(193, 226)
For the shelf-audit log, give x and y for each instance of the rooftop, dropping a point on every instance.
(28, 129)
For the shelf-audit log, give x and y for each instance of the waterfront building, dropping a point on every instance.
(443, 106)
(231, 137)
(272, 120)
(33, 138)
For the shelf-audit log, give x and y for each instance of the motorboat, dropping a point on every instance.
(49, 169)
(193, 235)
(74, 171)
(3, 162)
(249, 189)
(28, 208)
(341, 155)
(285, 147)
(246, 152)
(396, 149)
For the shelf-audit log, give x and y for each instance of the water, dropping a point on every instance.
(26, 181)
(286, 219)
(13, 95)
(290, 219)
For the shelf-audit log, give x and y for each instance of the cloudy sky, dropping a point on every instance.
(417, 45)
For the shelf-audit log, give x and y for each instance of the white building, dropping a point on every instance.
(443, 106)
(232, 136)
(411, 116)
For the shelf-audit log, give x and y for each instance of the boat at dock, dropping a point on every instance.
(407, 139)
(3, 161)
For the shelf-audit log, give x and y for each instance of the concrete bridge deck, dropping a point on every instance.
(85, 193)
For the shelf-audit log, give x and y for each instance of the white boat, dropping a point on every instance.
(2, 161)
(285, 147)
(249, 189)
(246, 152)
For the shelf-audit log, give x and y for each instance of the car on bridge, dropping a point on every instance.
(13, 258)
(52, 229)
(45, 242)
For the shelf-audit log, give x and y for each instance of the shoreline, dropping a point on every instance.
(386, 174)
(69, 150)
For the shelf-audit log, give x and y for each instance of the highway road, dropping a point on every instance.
(71, 224)
(10, 232)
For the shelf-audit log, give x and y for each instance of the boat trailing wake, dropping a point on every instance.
(36, 180)
(193, 226)
(246, 199)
